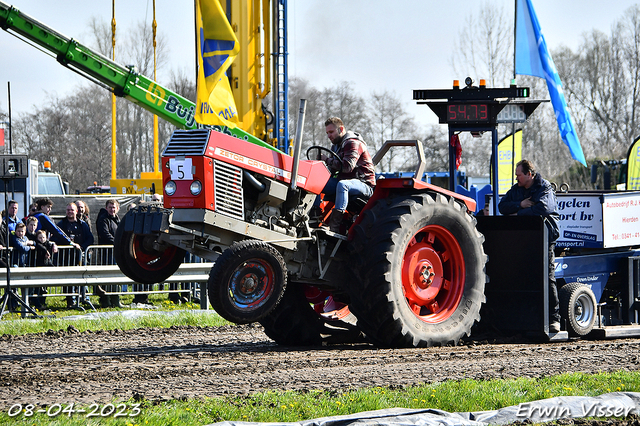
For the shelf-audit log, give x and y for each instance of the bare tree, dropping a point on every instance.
(388, 120)
(603, 78)
(341, 101)
(314, 133)
(484, 47)
(73, 133)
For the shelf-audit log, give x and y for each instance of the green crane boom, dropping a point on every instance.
(122, 80)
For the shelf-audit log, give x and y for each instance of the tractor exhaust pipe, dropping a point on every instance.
(297, 144)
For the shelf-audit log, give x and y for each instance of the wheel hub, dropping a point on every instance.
(425, 269)
(144, 250)
(433, 274)
(248, 284)
(251, 284)
(583, 310)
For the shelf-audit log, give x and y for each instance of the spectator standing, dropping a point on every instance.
(33, 209)
(35, 257)
(83, 213)
(22, 247)
(78, 231)
(11, 219)
(32, 225)
(44, 249)
(44, 222)
(106, 226)
(21, 244)
(56, 234)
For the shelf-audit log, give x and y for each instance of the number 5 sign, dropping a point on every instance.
(181, 169)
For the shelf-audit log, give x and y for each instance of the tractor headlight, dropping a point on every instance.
(170, 188)
(195, 187)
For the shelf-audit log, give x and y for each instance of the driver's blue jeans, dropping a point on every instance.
(343, 189)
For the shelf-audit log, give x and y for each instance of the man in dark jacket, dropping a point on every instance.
(356, 172)
(106, 225)
(78, 231)
(534, 196)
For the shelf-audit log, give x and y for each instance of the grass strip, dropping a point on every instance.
(55, 319)
(278, 407)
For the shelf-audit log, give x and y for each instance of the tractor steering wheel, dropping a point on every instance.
(315, 153)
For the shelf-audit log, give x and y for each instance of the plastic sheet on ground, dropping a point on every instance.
(616, 404)
(130, 314)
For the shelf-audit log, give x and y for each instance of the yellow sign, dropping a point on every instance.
(509, 153)
(136, 186)
(633, 166)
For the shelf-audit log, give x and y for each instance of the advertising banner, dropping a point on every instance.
(580, 220)
(621, 218)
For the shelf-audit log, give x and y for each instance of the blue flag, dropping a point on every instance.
(533, 58)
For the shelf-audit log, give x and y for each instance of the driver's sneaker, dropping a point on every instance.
(554, 327)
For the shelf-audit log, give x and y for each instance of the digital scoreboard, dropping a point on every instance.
(479, 106)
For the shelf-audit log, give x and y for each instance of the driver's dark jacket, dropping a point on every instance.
(544, 198)
(356, 161)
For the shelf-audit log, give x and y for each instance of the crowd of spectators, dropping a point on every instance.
(37, 240)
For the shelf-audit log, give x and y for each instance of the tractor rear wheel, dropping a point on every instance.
(139, 259)
(247, 281)
(295, 323)
(419, 271)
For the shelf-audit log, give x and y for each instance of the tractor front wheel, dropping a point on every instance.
(247, 281)
(419, 279)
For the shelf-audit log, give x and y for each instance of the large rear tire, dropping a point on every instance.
(578, 307)
(138, 258)
(247, 281)
(419, 271)
(294, 322)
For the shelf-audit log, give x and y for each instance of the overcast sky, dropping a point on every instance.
(377, 45)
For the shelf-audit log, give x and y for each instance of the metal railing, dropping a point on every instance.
(72, 272)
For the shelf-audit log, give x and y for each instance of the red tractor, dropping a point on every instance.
(409, 272)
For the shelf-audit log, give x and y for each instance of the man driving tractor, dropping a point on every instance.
(352, 168)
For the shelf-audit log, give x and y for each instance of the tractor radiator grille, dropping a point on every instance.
(187, 142)
(228, 189)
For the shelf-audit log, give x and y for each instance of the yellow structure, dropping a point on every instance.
(149, 183)
(250, 73)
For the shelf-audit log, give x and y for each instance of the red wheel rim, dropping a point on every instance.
(251, 284)
(148, 258)
(433, 274)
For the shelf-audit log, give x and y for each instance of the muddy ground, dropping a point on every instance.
(187, 362)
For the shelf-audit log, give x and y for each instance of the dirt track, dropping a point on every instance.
(161, 364)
